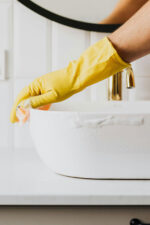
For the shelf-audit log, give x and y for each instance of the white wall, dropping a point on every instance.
(35, 46)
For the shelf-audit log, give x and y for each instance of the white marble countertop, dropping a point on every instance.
(24, 180)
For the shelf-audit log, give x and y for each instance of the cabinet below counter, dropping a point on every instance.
(73, 215)
(26, 181)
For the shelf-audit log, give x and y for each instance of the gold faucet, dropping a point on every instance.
(115, 84)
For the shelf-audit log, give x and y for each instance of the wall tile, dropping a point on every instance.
(49, 45)
(5, 10)
(67, 45)
(142, 66)
(6, 34)
(22, 137)
(142, 89)
(99, 92)
(81, 97)
(30, 43)
(96, 36)
(6, 128)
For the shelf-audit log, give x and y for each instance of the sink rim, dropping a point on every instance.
(117, 108)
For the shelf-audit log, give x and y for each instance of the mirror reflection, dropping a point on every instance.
(87, 11)
(92, 15)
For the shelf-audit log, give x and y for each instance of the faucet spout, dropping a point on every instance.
(115, 84)
(130, 82)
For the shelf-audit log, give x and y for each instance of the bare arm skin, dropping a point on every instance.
(123, 11)
(132, 39)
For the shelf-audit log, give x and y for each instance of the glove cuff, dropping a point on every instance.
(118, 57)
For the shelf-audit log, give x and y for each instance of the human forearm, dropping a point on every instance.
(123, 11)
(132, 39)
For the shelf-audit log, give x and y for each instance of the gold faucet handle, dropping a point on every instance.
(130, 81)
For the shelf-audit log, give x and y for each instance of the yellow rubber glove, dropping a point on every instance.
(97, 63)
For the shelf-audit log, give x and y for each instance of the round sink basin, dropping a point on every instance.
(108, 141)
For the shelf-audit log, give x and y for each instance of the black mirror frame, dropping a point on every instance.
(104, 28)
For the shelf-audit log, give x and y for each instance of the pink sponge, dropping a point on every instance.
(23, 114)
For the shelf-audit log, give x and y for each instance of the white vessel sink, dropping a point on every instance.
(110, 141)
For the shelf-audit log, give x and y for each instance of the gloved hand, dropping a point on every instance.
(97, 63)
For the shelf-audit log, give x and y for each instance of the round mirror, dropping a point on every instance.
(81, 14)
(91, 11)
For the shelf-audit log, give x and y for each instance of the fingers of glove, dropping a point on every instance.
(44, 99)
(24, 94)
